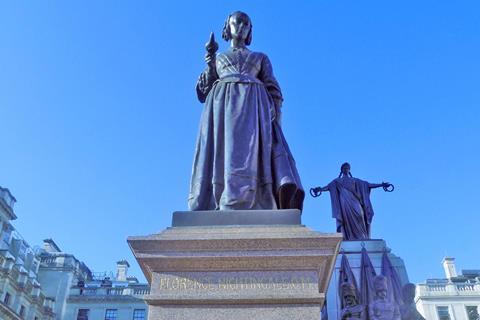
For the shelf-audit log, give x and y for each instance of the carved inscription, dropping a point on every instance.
(236, 283)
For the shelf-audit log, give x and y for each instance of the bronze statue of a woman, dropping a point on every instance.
(242, 160)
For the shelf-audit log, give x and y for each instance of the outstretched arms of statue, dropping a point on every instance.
(209, 75)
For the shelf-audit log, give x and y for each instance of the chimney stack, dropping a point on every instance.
(449, 267)
(122, 269)
(50, 246)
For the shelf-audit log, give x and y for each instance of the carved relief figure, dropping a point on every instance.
(242, 160)
(352, 309)
(381, 308)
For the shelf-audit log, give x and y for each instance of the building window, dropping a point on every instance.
(111, 314)
(443, 313)
(139, 314)
(6, 299)
(6, 237)
(22, 311)
(472, 313)
(83, 314)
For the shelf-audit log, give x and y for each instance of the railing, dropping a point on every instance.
(437, 287)
(141, 291)
(431, 289)
(115, 291)
(48, 260)
(88, 291)
(466, 287)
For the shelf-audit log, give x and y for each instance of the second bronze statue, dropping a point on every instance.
(242, 160)
(351, 205)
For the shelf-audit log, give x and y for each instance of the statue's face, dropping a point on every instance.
(345, 169)
(239, 26)
(382, 294)
(350, 300)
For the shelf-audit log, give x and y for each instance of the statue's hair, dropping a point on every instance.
(227, 34)
(341, 169)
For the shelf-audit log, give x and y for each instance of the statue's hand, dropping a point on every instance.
(316, 192)
(387, 186)
(210, 60)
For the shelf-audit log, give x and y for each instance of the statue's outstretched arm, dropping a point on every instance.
(316, 192)
(387, 186)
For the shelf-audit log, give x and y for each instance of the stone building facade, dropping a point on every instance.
(109, 297)
(48, 284)
(21, 293)
(455, 297)
(84, 295)
(58, 273)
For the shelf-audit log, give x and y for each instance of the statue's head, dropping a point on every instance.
(238, 26)
(349, 294)
(345, 169)
(408, 293)
(380, 286)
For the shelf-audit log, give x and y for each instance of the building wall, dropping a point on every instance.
(98, 296)
(56, 284)
(455, 292)
(98, 309)
(19, 271)
(431, 297)
(48, 284)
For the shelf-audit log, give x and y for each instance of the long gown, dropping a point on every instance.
(351, 207)
(242, 160)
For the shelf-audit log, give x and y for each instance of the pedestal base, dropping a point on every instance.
(250, 270)
(353, 251)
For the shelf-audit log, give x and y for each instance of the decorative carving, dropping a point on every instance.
(381, 308)
(352, 309)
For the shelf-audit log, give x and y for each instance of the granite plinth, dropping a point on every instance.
(240, 268)
(237, 217)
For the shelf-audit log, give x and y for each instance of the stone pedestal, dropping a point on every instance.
(236, 265)
(353, 251)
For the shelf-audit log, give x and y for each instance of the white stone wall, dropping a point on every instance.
(56, 284)
(455, 297)
(98, 309)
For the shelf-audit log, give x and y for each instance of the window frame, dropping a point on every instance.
(472, 306)
(7, 298)
(448, 312)
(85, 316)
(143, 315)
(114, 315)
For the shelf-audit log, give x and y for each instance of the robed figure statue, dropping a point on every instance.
(242, 161)
(351, 205)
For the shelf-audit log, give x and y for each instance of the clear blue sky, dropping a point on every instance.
(99, 115)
